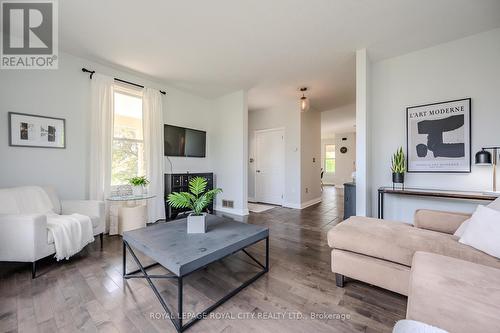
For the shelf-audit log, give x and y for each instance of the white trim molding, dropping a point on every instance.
(234, 211)
(291, 205)
(303, 204)
(310, 203)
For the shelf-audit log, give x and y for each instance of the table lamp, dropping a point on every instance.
(483, 157)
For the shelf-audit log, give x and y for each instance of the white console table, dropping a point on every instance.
(127, 213)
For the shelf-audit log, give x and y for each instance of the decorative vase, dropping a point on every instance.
(137, 191)
(398, 178)
(197, 224)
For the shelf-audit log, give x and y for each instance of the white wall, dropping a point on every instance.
(344, 163)
(341, 119)
(288, 117)
(230, 149)
(65, 93)
(469, 67)
(185, 110)
(310, 156)
(62, 93)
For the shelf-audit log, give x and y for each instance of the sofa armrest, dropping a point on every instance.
(22, 237)
(91, 208)
(435, 220)
(452, 294)
(84, 207)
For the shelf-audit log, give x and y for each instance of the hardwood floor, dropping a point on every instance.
(87, 293)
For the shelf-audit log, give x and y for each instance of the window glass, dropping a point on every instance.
(330, 158)
(128, 145)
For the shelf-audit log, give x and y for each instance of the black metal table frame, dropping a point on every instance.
(178, 317)
(380, 209)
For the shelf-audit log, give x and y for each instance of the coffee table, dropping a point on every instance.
(170, 246)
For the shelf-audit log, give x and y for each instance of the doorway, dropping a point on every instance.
(270, 166)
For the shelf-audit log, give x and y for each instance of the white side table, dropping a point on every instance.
(128, 213)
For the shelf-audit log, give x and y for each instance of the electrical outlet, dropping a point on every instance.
(228, 203)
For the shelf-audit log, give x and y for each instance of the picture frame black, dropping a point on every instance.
(467, 137)
(40, 143)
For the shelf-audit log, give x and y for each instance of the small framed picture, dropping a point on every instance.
(438, 137)
(28, 130)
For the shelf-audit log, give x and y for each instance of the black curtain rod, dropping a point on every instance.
(85, 70)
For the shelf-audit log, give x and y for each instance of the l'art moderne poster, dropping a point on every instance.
(438, 137)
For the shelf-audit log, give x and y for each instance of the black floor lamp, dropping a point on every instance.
(483, 157)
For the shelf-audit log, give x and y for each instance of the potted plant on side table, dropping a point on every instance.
(196, 200)
(139, 184)
(398, 167)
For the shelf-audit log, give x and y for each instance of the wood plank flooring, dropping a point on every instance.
(88, 294)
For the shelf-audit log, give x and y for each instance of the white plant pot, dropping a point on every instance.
(137, 190)
(197, 224)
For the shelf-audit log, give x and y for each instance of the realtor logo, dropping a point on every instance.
(29, 35)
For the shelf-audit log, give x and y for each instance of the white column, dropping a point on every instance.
(363, 134)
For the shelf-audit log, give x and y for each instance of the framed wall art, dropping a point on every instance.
(28, 130)
(438, 137)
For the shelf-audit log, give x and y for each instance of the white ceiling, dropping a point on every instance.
(270, 47)
(339, 120)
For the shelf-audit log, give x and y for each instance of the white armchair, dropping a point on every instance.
(93, 209)
(24, 236)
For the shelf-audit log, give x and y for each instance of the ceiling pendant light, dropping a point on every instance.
(304, 101)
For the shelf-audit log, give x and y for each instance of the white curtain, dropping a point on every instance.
(101, 136)
(153, 152)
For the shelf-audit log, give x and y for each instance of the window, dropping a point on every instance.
(330, 158)
(128, 140)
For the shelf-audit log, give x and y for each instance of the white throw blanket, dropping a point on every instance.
(71, 233)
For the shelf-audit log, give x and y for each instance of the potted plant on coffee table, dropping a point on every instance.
(196, 200)
(139, 184)
(398, 167)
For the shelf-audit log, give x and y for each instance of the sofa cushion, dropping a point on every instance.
(456, 295)
(52, 194)
(492, 205)
(447, 222)
(24, 200)
(95, 221)
(413, 326)
(483, 231)
(398, 242)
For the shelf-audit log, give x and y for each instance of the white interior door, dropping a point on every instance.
(270, 166)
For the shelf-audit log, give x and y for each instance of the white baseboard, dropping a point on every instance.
(303, 204)
(234, 211)
(310, 203)
(252, 199)
(291, 205)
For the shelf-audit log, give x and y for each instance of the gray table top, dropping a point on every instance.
(171, 246)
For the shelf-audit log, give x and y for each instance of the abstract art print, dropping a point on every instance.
(438, 137)
(27, 130)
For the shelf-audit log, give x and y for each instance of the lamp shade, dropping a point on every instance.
(304, 104)
(483, 157)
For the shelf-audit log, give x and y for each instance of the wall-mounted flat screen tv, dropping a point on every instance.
(186, 142)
